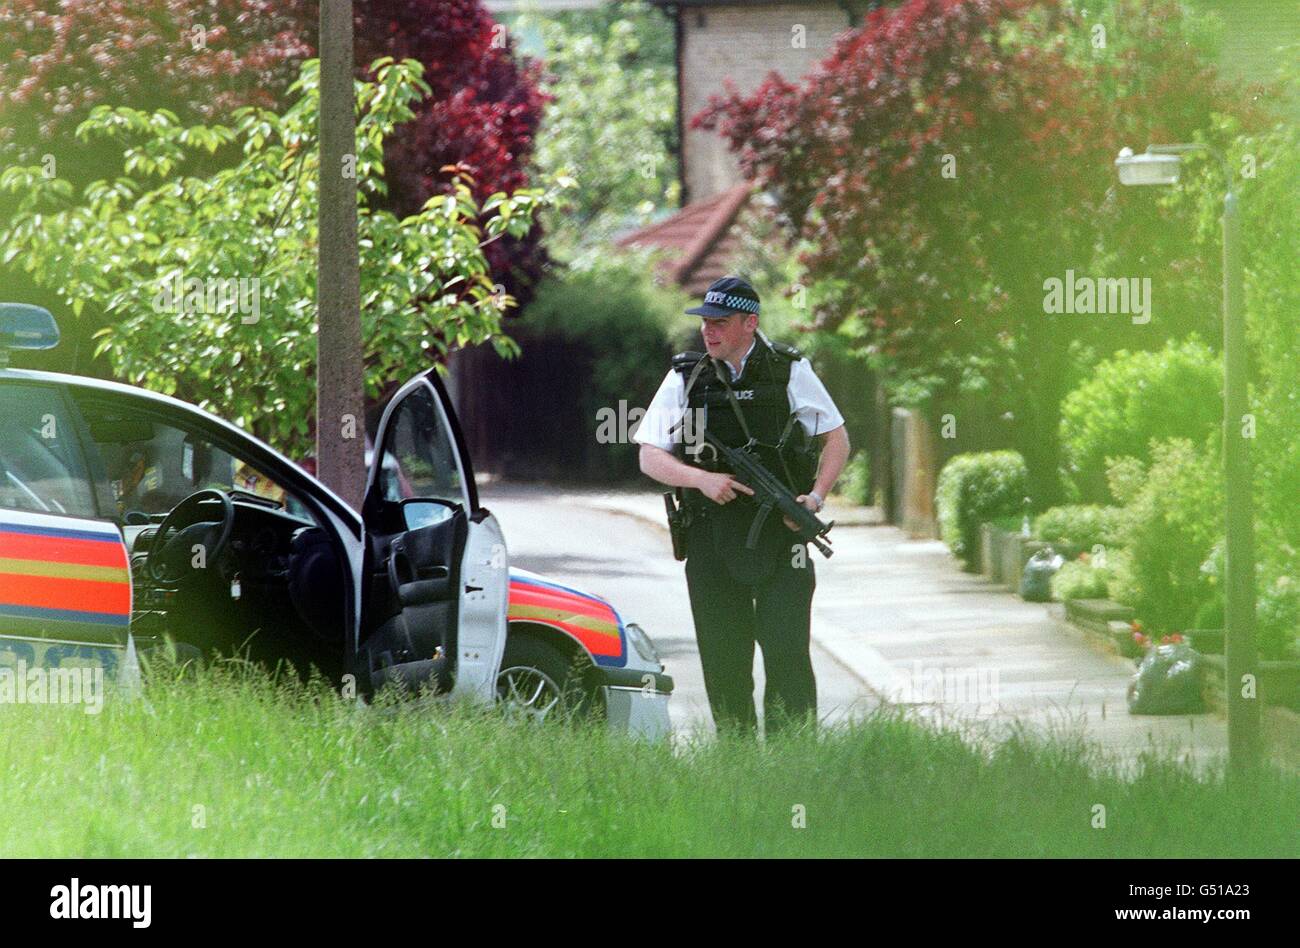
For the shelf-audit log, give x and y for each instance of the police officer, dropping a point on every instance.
(745, 389)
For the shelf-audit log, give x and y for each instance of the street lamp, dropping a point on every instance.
(1150, 168)
(1160, 165)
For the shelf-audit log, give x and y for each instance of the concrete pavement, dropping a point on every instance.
(960, 651)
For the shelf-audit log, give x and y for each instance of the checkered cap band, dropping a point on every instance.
(731, 301)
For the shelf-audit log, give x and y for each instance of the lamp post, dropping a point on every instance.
(1160, 165)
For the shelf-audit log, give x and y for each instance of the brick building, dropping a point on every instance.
(721, 43)
(740, 42)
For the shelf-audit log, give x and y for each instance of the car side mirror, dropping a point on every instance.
(23, 326)
(418, 512)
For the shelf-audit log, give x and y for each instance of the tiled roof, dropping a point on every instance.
(697, 240)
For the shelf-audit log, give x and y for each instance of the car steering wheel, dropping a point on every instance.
(214, 537)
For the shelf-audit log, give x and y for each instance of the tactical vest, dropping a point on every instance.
(762, 396)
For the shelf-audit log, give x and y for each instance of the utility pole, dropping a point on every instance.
(1241, 675)
(340, 406)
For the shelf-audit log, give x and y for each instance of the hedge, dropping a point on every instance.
(1080, 526)
(975, 488)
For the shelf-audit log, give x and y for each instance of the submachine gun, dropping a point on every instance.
(770, 493)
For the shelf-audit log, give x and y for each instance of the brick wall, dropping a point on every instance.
(742, 42)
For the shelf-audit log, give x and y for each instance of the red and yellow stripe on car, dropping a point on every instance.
(589, 619)
(62, 575)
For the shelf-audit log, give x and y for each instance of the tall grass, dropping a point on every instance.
(235, 764)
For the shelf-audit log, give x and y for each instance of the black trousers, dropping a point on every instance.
(733, 613)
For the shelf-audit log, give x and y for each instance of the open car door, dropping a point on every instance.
(436, 570)
(65, 594)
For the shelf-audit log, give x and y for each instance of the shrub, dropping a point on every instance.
(975, 488)
(1277, 618)
(1172, 522)
(1079, 526)
(1079, 579)
(1209, 615)
(622, 324)
(855, 483)
(1133, 398)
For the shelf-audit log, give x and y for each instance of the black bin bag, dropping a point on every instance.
(1036, 580)
(1168, 681)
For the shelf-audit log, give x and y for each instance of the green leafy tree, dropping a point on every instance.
(209, 282)
(1135, 397)
(610, 123)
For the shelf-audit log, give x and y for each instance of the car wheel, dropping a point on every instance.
(538, 681)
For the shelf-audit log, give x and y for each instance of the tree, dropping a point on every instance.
(482, 113)
(198, 58)
(610, 122)
(948, 159)
(203, 59)
(209, 282)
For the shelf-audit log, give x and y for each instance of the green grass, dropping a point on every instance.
(295, 771)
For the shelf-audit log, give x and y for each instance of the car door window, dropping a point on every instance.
(41, 466)
(419, 457)
(152, 465)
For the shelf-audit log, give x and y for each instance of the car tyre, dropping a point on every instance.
(539, 681)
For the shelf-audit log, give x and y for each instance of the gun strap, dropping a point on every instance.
(690, 383)
(780, 447)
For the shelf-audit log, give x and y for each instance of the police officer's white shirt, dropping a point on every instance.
(809, 400)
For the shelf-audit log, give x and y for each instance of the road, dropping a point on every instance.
(630, 563)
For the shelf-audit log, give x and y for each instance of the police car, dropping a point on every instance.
(131, 521)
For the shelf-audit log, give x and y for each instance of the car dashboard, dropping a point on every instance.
(260, 587)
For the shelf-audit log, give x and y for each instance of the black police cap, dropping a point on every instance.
(726, 296)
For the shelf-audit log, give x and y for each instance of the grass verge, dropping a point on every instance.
(235, 764)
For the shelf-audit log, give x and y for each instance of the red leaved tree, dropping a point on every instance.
(199, 58)
(952, 155)
(484, 111)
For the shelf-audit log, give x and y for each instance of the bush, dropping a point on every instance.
(1133, 398)
(1210, 614)
(1079, 526)
(1172, 522)
(855, 483)
(975, 488)
(1277, 621)
(1277, 603)
(624, 323)
(1079, 579)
